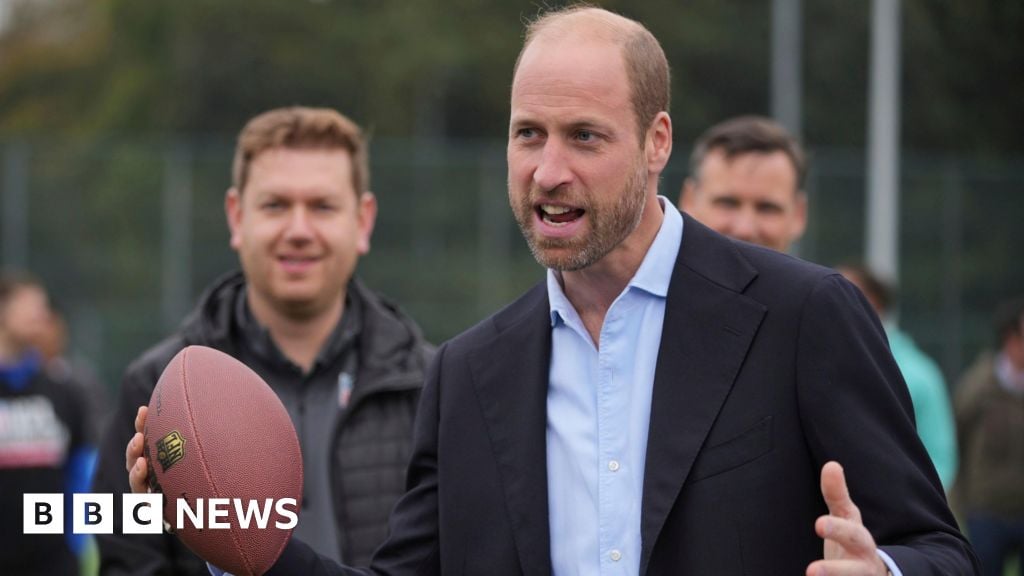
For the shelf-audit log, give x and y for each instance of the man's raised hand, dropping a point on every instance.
(850, 549)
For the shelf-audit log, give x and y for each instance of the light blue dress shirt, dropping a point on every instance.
(599, 408)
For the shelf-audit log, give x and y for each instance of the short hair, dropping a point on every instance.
(645, 61)
(301, 127)
(747, 134)
(875, 288)
(1008, 319)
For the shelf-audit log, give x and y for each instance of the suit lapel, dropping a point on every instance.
(708, 328)
(511, 378)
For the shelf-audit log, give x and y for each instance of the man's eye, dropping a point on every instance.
(526, 133)
(272, 205)
(585, 136)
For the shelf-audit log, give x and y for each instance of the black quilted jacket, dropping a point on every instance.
(371, 439)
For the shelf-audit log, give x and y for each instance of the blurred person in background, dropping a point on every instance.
(746, 181)
(44, 442)
(990, 422)
(932, 411)
(347, 363)
(51, 341)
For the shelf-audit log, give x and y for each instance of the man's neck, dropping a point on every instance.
(299, 337)
(593, 289)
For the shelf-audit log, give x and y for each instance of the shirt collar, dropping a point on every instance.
(1011, 379)
(653, 276)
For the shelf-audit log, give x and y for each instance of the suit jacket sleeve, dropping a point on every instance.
(412, 547)
(856, 410)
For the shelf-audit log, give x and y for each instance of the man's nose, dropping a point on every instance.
(299, 226)
(744, 225)
(553, 170)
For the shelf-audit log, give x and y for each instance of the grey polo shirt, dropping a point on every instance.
(315, 400)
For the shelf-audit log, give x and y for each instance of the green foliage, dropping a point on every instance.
(437, 69)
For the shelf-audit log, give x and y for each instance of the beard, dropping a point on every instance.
(610, 224)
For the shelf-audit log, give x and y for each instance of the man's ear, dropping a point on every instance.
(800, 221)
(366, 219)
(233, 212)
(658, 144)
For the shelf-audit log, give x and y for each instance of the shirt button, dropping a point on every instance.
(615, 555)
(613, 465)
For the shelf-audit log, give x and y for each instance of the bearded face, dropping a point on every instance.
(570, 227)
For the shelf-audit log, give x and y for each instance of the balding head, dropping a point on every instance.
(645, 62)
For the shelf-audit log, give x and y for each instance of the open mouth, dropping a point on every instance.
(558, 215)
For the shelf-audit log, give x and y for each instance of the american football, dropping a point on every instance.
(224, 453)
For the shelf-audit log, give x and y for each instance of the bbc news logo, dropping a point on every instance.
(143, 514)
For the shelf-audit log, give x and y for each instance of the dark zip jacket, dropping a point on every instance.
(353, 412)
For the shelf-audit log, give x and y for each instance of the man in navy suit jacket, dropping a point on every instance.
(668, 401)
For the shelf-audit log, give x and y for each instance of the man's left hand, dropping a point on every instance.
(849, 548)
